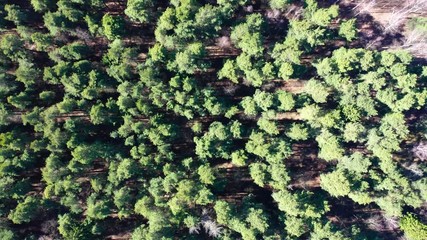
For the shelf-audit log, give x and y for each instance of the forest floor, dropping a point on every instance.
(382, 24)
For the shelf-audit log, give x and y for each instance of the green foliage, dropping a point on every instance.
(286, 100)
(20, 101)
(295, 226)
(185, 61)
(197, 127)
(208, 19)
(126, 169)
(27, 73)
(206, 174)
(139, 10)
(47, 96)
(7, 234)
(321, 16)
(97, 209)
(260, 101)
(12, 47)
(15, 14)
(258, 173)
(298, 132)
(118, 59)
(413, 228)
(272, 149)
(94, 25)
(55, 22)
(335, 183)
(278, 4)
(114, 26)
(215, 143)
(239, 158)
(177, 118)
(165, 25)
(418, 23)
(98, 114)
(73, 51)
(4, 113)
(326, 231)
(41, 5)
(229, 71)
(353, 132)
(42, 41)
(267, 125)
(247, 36)
(302, 204)
(26, 210)
(348, 29)
(69, 228)
(329, 145)
(317, 91)
(70, 12)
(355, 163)
(87, 153)
(248, 222)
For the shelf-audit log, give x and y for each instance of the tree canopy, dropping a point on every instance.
(227, 119)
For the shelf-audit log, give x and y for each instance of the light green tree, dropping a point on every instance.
(335, 183)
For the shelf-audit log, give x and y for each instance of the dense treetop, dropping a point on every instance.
(191, 119)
